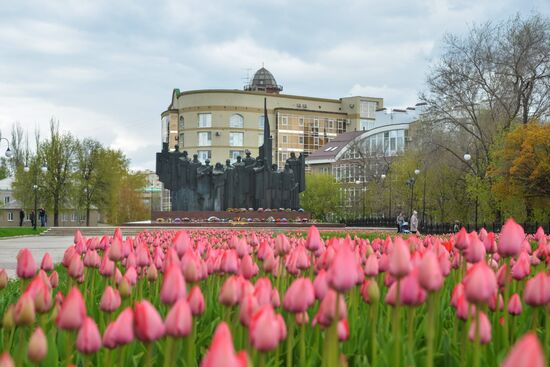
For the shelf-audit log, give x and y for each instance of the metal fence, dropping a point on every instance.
(440, 228)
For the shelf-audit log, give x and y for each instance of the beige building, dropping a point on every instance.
(10, 209)
(221, 124)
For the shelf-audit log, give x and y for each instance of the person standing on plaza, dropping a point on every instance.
(32, 217)
(42, 216)
(400, 220)
(414, 222)
(21, 217)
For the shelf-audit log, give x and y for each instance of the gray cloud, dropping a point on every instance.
(106, 69)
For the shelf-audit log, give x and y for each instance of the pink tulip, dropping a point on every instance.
(313, 240)
(527, 352)
(148, 325)
(72, 312)
(320, 285)
(173, 286)
(429, 273)
(76, 267)
(38, 346)
(26, 267)
(47, 262)
(537, 290)
(371, 266)
(480, 284)
(152, 273)
(400, 259)
(522, 267)
(230, 292)
(131, 275)
(514, 306)
(107, 267)
(327, 309)
(475, 252)
(264, 329)
(196, 301)
(343, 273)
(122, 330)
(411, 294)
(299, 296)
(343, 330)
(484, 329)
(221, 351)
(179, 320)
(249, 268)
(110, 300)
(88, 340)
(115, 251)
(511, 239)
(249, 305)
(463, 308)
(275, 298)
(6, 360)
(302, 318)
(54, 279)
(461, 239)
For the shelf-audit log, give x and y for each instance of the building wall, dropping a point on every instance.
(66, 218)
(186, 107)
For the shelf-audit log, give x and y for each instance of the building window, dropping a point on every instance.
(284, 139)
(301, 139)
(6, 200)
(203, 155)
(236, 139)
(205, 138)
(182, 123)
(331, 124)
(261, 122)
(233, 154)
(260, 139)
(301, 121)
(180, 140)
(366, 124)
(316, 123)
(315, 140)
(368, 109)
(10, 216)
(284, 120)
(205, 120)
(284, 157)
(236, 121)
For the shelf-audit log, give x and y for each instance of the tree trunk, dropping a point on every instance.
(56, 213)
(87, 215)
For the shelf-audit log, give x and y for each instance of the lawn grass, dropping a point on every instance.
(20, 231)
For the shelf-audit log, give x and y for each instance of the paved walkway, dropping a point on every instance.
(38, 245)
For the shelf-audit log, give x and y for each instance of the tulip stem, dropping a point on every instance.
(476, 340)
(191, 346)
(149, 355)
(261, 361)
(547, 326)
(290, 341)
(507, 284)
(430, 331)
(396, 325)
(168, 352)
(373, 339)
(303, 345)
(69, 348)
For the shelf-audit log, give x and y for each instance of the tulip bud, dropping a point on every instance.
(6, 360)
(24, 310)
(3, 279)
(152, 273)
(124, 288)
(38, 346)
(8, 320)
(373, 291)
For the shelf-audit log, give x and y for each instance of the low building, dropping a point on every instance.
(355, 158)
(10, 209)
(154, 195)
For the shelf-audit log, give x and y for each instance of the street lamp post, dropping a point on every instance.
(467, 158)
(410, 182)
(363, 190)
(43, 169)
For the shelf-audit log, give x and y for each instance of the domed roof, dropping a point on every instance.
(264, 81)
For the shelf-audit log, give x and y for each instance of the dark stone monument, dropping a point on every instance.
(248, 183)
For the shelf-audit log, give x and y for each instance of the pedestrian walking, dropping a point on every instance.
(42, 216)
(414, 222)
(21, 217)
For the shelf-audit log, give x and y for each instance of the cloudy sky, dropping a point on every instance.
(106, 69)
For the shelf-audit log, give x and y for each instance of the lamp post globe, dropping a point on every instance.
(26, 168)
(416, 171)
(467, 157)
(9, 153)
(44, 168)
(382, 176)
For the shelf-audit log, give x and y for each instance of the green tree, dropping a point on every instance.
(322, 196)
(91, 185)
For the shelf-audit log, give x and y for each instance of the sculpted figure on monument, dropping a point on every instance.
(230, 182)
(218, 179)
(193, 194)
(204, 186)
(242, 183)
(259, 192)
(290, 188)
(249, 164)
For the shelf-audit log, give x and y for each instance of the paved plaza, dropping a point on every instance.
(38, 245)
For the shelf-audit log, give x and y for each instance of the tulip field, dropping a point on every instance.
(236, 297)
